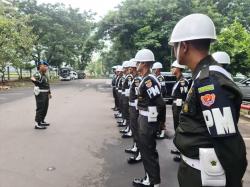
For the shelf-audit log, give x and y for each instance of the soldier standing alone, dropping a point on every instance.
(42, 94)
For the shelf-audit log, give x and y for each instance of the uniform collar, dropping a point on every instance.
(181, 77)
(205, 62)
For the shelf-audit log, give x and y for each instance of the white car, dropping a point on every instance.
(73, 75)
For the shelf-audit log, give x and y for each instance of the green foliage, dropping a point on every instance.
(235, 40)
(63, 33)
(95, 68)
(140, 24)
(58, 34)
(16, 38)
(235, 10)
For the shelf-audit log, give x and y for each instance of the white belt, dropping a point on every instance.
(131, 104)
(194, 163)
(143, 113)
(123, 93)
(43, 90)
(120, 91)
(174, 101)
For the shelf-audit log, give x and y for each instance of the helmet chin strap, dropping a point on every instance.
(178, 52)
(138, 66)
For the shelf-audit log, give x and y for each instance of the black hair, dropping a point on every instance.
(201, 44)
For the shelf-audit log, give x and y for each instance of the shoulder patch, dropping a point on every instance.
(160, 79)
(148, 83)
(208, 99)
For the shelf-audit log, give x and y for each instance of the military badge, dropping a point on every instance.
(208, 99)
(213, 163)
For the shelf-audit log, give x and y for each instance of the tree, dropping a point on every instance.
(235, 40)
(137, 24)
(62, 32)
(16, 38)
(234, 10)
(140, 24)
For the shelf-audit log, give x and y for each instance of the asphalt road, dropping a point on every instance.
(81, 148)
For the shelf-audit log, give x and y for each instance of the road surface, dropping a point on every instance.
(81, 148)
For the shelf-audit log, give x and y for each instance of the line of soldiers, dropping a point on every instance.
(209, 145)
(142, 111)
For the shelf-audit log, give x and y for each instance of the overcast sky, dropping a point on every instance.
(101, 7)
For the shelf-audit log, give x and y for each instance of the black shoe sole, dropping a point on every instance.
(120, 125)
(123, 132)
(40, 128)
(125, 136)
(130, 152)
(45, 125)
(175, 152)
(132, 161)
(119, 122)
(177, 159)
(141, 185)
(160, 138)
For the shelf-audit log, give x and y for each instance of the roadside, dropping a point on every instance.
(245, 110)
(244, 127)
(24, 83)
(83, 144)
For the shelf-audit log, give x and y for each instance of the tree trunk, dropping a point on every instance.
(21, 73)
(8, 71)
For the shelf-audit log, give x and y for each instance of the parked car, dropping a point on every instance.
(81, 75)
(170, 80)
(73, 75)
(245, 89)
(245, 81)
(239, 78)
(64, 74)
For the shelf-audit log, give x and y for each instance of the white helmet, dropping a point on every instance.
(177, 65)
(145, 55)
(193, 27)
(114, 67)
(221, 57)
(157, 65)
(132, 63)
(125, 64)
(119, 68)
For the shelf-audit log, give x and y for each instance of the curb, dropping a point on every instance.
(247, 117)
